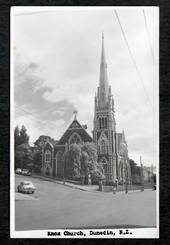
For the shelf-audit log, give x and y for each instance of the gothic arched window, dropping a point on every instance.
(47, 156)
(100, 123)
(75, 139)
(103, 147)
(105, 122)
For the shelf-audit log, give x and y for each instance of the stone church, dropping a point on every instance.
(111, 146)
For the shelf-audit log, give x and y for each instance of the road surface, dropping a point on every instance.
(55, 206)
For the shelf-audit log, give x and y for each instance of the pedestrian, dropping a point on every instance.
(100, 185)
(114, 187)
(116, 184)
(126, 187)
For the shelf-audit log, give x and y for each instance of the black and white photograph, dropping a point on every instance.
(84, 143)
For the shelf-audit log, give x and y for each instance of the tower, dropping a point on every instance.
(104, 130)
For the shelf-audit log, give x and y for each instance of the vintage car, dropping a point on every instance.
(18, 171)
(26, 172)
(26, 187)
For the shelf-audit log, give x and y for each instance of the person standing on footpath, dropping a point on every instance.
(114, 187)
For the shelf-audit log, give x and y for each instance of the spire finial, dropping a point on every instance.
(75, 114)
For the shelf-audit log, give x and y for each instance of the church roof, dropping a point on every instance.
(43, 139)
(75, 126)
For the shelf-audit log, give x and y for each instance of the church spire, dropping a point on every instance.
(103, 80)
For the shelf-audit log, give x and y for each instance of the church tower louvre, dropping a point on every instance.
(104, 131)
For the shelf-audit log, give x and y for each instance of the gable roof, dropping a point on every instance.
(75, 126)
(43, 139)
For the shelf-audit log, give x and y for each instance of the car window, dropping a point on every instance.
(27, 183)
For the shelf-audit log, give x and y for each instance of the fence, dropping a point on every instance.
(106, 188)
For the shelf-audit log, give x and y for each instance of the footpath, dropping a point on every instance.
(67, 183)
(91, 188)
(24, 197)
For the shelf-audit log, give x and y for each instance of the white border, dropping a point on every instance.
(12, 186)
(138, 232)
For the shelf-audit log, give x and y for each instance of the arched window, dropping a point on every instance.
(105, 122)
(103, 147)
(75, 139)
(47, 156)
(100, 123)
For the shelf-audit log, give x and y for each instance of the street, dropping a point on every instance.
(55, 206)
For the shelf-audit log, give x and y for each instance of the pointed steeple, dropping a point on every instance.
(103, 80)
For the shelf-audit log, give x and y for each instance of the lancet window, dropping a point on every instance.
(102, 122)
(103, 147)
(47, 156)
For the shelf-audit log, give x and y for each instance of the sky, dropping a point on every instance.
(56, 54)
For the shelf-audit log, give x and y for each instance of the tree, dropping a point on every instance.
(17, 136)
(135, 172)
(37, 159)
(24, 138)
(81, 160)
(23, 152)
(16, 143)
(72, 161)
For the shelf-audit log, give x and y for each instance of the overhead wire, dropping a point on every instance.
(133, 60)
(34, 118)
(148, 37)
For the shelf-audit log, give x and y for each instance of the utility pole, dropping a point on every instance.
(141, 173)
